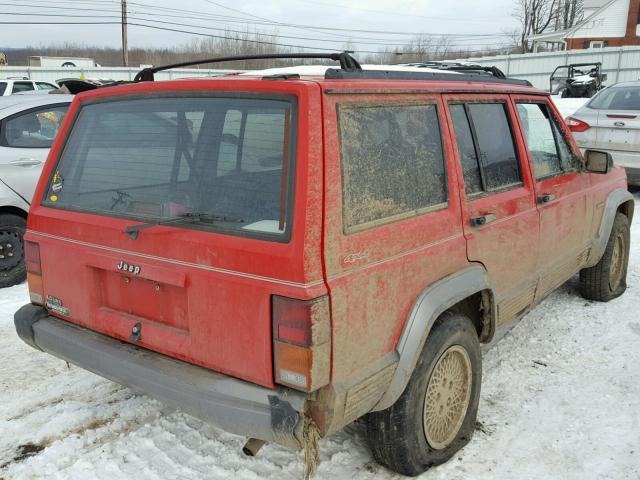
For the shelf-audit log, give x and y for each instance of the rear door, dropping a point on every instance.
(224, 170)
(561, 192)
(500, 219)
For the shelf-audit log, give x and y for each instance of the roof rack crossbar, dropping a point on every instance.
(347, 62)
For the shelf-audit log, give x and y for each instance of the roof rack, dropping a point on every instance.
(471, 76)
(347, 62)
(461, 67)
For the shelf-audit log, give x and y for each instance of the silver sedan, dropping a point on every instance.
(610, 121)
(28, 126)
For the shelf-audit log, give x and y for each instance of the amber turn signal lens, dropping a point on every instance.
(36, 290)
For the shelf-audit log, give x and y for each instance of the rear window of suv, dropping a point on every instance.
(228, 161)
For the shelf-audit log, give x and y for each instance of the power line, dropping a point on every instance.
(457, 42)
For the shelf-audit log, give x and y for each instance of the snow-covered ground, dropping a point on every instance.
(560, 400)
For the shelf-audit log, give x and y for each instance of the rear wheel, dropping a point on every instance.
(435, 415)
(12, 269)
(607, 279)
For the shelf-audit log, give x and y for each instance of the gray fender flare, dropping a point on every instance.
(599, 244)
(431, 303)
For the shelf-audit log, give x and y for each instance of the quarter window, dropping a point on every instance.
(392, 162)
(3, 87)
(34, 129)
(486, 147)
(550, 153)
(22, 87)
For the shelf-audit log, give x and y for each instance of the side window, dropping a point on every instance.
(22, 87)
(35, 129)
(550, 153)
(486, 146)
(45, 86)
(467, 150)
(3, 88)
(392, 162)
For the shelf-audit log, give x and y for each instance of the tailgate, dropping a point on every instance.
(168, 222)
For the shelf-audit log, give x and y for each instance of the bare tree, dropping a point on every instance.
(570, 12)
(535, 17)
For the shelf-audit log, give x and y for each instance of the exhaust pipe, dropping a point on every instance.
(252, 447)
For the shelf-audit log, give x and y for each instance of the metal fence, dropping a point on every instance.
(47, 74)
(619, 63)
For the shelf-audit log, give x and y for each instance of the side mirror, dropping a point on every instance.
(597, 161)
(603, 77)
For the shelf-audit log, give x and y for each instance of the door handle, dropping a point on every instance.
(483, 219)
(25, 162)
(546, 198)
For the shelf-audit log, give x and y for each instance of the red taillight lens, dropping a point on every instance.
(292, 320)
(576, 125)
(32, 257)
(34, 272)
(301, 342)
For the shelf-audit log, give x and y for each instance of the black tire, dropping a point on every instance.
(603, 282)
(397, 435)
(12, 269)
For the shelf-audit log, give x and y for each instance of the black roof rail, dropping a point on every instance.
(470, 76)
(460, 67)
(347, 62)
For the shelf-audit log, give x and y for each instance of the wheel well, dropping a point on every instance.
(478, 307)
(14, 211)
(627, 208)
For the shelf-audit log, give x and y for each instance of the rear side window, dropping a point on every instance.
(45, 86)
(22, 87)
(33, 129)
(617, 98)
(3, 88)
(393, 164)
(155, 159)
(550, 152)
(486, 146)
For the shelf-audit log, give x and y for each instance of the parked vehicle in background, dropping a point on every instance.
(9, 86)
(28, 125)
(56, 62)
(284, 252)
(578, 80)
(611, 122)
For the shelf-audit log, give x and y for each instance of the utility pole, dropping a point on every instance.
(125, 46)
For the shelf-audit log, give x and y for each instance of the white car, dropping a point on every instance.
(9, 86)
(28, 125)
(610, 121)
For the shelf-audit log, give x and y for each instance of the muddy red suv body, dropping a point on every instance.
(316, 228)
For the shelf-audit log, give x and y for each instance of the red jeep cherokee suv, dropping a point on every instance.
(283, 254)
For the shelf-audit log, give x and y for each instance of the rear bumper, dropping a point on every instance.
(233, 405)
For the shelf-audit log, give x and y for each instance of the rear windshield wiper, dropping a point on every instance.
(133, 230)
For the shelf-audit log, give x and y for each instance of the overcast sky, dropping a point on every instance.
(457, 17)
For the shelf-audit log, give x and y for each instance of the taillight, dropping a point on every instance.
(34, 272)
(576, 125)
(301, 342)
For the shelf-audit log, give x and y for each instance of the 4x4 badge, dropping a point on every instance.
(125, 267)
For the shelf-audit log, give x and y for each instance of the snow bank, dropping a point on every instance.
(560, 400)
(568, 106)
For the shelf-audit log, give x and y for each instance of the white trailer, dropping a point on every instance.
(57, 62)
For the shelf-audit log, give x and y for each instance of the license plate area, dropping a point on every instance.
(145, 292)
